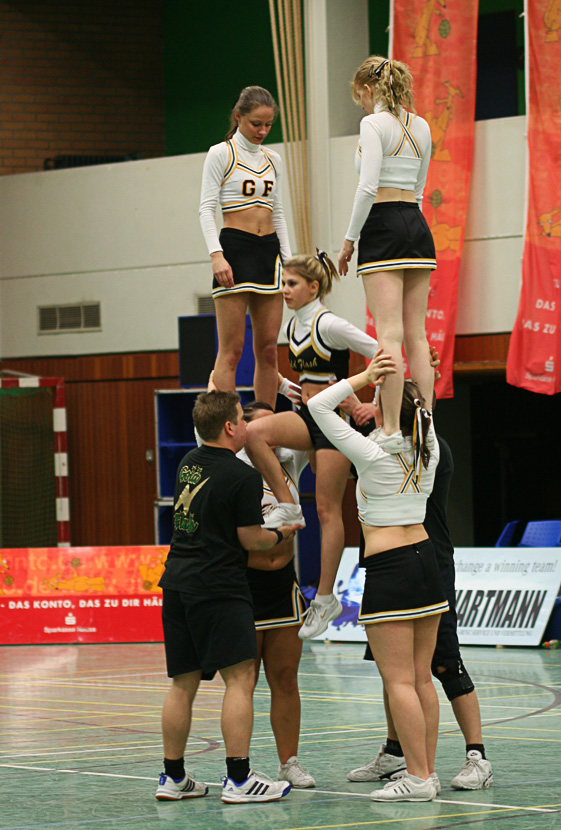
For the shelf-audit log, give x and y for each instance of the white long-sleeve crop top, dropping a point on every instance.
(388, 492)
(393, 151)
(241, 175)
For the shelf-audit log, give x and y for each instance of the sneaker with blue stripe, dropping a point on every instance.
(187, 787)
(256, 787)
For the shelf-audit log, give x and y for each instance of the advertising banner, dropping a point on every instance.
(438, 41)
(81, 595)
(504, 596)
(534, 354)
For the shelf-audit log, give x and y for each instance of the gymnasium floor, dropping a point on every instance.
(81, 747)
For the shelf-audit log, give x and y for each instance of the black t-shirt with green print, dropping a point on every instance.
(215, 493)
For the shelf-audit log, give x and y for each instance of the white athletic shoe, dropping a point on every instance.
(404, 789)
(476, 773)
(170, 790)
(436, 781)
(318, 616)
(382, 767)
(256, 787)
(295, 774)
(284, 513)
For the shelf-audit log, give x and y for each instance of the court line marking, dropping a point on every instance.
(541, 809)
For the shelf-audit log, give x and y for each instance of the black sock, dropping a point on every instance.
(238, 769)
(478, 747)
(393, 748)
(175, 769)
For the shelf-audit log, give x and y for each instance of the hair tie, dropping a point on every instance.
(320, 256)
(377, 70)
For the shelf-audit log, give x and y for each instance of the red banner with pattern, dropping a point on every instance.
(81, 595)
(438, 41)
(534, 354)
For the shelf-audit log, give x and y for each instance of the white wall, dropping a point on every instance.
(128, 236)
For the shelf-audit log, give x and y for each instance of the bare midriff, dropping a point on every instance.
(394, 194)
(273, 560)
(380, 539)
(311, 389)
(256, 220)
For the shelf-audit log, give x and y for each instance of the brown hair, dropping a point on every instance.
(317, 268)
(249, 98)
(392, 81)
(251, 408)
(410, 403)
(212, 410)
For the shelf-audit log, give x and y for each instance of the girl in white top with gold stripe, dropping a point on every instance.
(245, 179)
(403, 592)
(396, 250)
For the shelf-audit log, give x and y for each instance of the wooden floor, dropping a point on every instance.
(81, 745)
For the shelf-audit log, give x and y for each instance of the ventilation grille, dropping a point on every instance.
(69, 318)
(205, 304)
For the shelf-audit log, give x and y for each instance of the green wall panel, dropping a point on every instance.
(211, 51)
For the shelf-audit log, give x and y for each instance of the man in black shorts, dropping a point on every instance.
(207, 610)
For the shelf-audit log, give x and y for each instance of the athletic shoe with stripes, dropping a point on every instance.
(384, 766)
(187, 787)
(256, 787)
(476, 773)
(404, 789)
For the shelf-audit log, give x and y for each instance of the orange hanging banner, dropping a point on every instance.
(438, 40)
(534, 354)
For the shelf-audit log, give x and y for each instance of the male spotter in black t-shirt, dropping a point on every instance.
(207, 611)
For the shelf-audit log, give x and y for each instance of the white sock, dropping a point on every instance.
(323, 599)
(417, 780)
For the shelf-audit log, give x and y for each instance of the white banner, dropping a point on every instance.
(504, 596)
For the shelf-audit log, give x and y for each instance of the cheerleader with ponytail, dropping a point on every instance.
(396, 252)
(403, 593)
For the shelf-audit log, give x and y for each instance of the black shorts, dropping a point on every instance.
(206, 635)
(255, 261)
(317, 437)
(395, 235)
(447, 643)
(402, 584)
(277, 599)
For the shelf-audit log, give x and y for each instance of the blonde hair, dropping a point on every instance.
(249, 99)
(318, 268)
(391, 79)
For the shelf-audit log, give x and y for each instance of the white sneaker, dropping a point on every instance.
(285, 513)
(170, 790)
(256, 787)
(476, 773)
(297, 776)
(436, 781)
(318, 616)
(404, 789)
(383, 766)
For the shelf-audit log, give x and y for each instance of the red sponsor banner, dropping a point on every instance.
(438, 42)
(534, 354)
(81, 595)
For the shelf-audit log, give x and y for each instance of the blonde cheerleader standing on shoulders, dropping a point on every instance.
(396, 250)
(244, 178)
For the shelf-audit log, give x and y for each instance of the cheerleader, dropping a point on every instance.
(245, 179)
(403, 593)
(278, 608)
(396, 250)
(319, 344)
